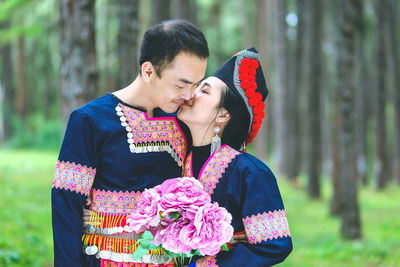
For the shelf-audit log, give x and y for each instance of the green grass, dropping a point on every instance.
(316, 237)
(25, 214)
(26, 235)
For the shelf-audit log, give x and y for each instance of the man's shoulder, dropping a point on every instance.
(95, 107)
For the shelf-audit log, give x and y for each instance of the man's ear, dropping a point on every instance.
(147, 71)
(223, 116)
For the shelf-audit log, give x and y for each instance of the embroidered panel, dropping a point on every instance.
(207, 261)
(215, 167)
(152, 134)
(187, 167)
(109, 263)
(113, 201)
(263, 227)
(73, 177)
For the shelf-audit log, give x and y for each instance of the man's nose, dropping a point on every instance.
(187, 94)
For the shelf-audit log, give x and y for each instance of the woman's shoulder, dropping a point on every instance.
(249, 164)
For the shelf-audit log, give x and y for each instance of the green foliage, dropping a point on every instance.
(316, 238)
(36, 132)
(25, 214)
(25, 219)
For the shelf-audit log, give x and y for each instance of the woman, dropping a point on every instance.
(224, 115)
(227, 109)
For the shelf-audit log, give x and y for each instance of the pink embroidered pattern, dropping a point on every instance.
(215, 167)
(154, 130)
(114, 202)
(109, 263)
(73, 177)
(207, 261)
(263, 227)
(187, 168)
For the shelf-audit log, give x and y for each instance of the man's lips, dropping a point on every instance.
(179, 102)
(186, 103)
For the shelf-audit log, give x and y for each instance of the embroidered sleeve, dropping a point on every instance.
(264, 221)
(208, 261)
(73, 178)
(266, 226)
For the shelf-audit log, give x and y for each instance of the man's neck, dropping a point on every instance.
(136, 94)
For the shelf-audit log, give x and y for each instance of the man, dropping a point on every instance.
(119, 144)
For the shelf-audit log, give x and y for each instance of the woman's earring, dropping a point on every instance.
(216, 140)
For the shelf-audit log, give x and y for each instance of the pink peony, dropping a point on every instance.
(184, 193)
(147, 213)
(209, 230)
(170, 236)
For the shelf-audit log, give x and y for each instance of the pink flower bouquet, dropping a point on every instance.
(178, 216)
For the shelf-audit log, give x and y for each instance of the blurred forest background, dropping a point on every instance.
(332, 130)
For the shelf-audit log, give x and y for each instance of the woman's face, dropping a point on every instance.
(202, 109)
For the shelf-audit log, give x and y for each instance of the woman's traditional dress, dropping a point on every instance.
(111, 152)
(247, 188)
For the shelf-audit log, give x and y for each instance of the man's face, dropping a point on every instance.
(202, 109)
(177, 82)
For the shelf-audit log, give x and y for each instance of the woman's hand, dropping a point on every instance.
(242, 237)
(86, 215)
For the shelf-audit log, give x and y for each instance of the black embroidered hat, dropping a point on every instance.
(243, 73)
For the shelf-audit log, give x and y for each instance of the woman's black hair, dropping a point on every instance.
(237, 128)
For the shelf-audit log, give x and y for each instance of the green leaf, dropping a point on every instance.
(189, 254)
(169, 253)
(140, 252)
(153, 246)
(147, 235)
(197, 253)
(175, 214)
(225, 247)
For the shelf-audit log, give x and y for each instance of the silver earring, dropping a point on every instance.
(216, 140)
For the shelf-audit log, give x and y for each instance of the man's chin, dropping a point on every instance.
(170, 109)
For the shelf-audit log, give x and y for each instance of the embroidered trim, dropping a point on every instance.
(152, 134)
(207, 261)
(262, 227)
(119, 250)
(114, 202)
(187, 168)
(215, 166)
(108, 263)
(73, 177)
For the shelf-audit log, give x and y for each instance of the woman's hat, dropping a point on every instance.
(243, 73)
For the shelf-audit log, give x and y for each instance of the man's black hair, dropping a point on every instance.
(163, 42)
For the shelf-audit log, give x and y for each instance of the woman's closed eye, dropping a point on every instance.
(205, 88)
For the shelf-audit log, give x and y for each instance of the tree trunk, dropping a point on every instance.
(361, 100)
(184, 9)
(78, 54)
(262, 46)
(8, 106)
(280, 90)
(128, 41)
(381, 153)
(245, 27)
(160, 11)
(351, 226)
(335, 206)
(294, 64)
(313, 105)
(21, 92)
(394, 50)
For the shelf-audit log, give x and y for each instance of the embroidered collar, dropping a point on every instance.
(213, 169)
(146, 134)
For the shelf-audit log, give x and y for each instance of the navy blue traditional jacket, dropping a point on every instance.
(110, 153)
(247, 188)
